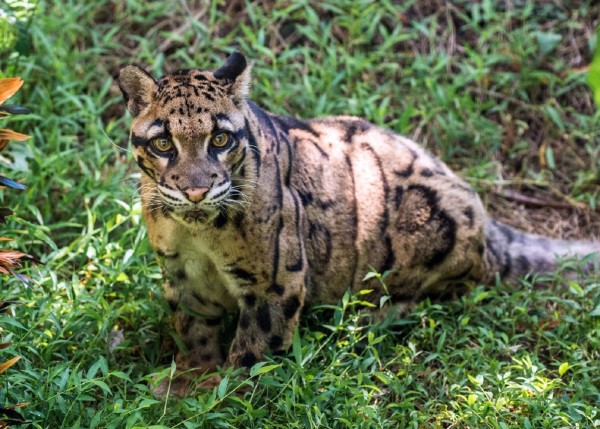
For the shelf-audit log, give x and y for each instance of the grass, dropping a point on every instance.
(497, 89)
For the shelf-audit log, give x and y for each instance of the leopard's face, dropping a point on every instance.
(189, 137)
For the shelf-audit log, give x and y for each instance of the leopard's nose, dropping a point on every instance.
(195, 195)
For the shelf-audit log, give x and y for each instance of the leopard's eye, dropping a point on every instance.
(162, 145)
(219, 139)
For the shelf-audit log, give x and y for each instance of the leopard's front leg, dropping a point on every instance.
(271, 300)
(268, 316)
(199, 326)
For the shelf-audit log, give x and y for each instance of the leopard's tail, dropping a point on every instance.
(512, 253)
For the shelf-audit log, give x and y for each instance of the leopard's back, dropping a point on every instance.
(377, 201)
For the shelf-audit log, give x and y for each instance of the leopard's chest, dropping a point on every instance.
(198, 259)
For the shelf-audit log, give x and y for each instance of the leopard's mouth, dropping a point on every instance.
(195, 214)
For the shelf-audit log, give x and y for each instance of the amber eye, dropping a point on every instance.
(220, 139)
(162, 145)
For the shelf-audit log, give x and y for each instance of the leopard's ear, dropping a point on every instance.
(138, 88)
(236, 71)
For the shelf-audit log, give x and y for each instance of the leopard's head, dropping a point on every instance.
(190, 137)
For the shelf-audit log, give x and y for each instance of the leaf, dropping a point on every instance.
(102, 385)
(550, 158)
(8, 87)
(222, 389)
(263, 369)
(5, 365)
(370, 275)
(5, 181)
(547, 41)
(297, 347)
(564, 367)
(471, 399)
(6, 134)
(596, 311)
(477, 381)
(594, 70)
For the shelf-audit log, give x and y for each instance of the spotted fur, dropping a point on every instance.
(292, 212)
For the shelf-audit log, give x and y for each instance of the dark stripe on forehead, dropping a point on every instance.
(138, 141)
(223, 117)
(157, 123)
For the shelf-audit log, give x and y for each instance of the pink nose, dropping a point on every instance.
(195, 195)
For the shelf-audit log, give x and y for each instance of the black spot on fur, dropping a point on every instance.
(198, 298)
(138, 141)
(447, 234)
(212, 321)
(306, 197)
(522, 264)
(480, 249)
(277, 289)
(468, 212)
(409, 170)
(206, 357)
(203, 340)
(244, 275)
(355, 127)
(263, 318)
(398, 196)
(290, 306)
(172, 304)
(437, 231)
(244, 322)
(250, 299)
(430, 195)
(319, 245)
(507, 265)
(238, 221)
(248, 359)
(275, 343)
(390, 258)
(427, 173)
(180, 275)
(221, 220)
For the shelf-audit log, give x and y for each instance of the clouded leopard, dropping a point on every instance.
(260, 214)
